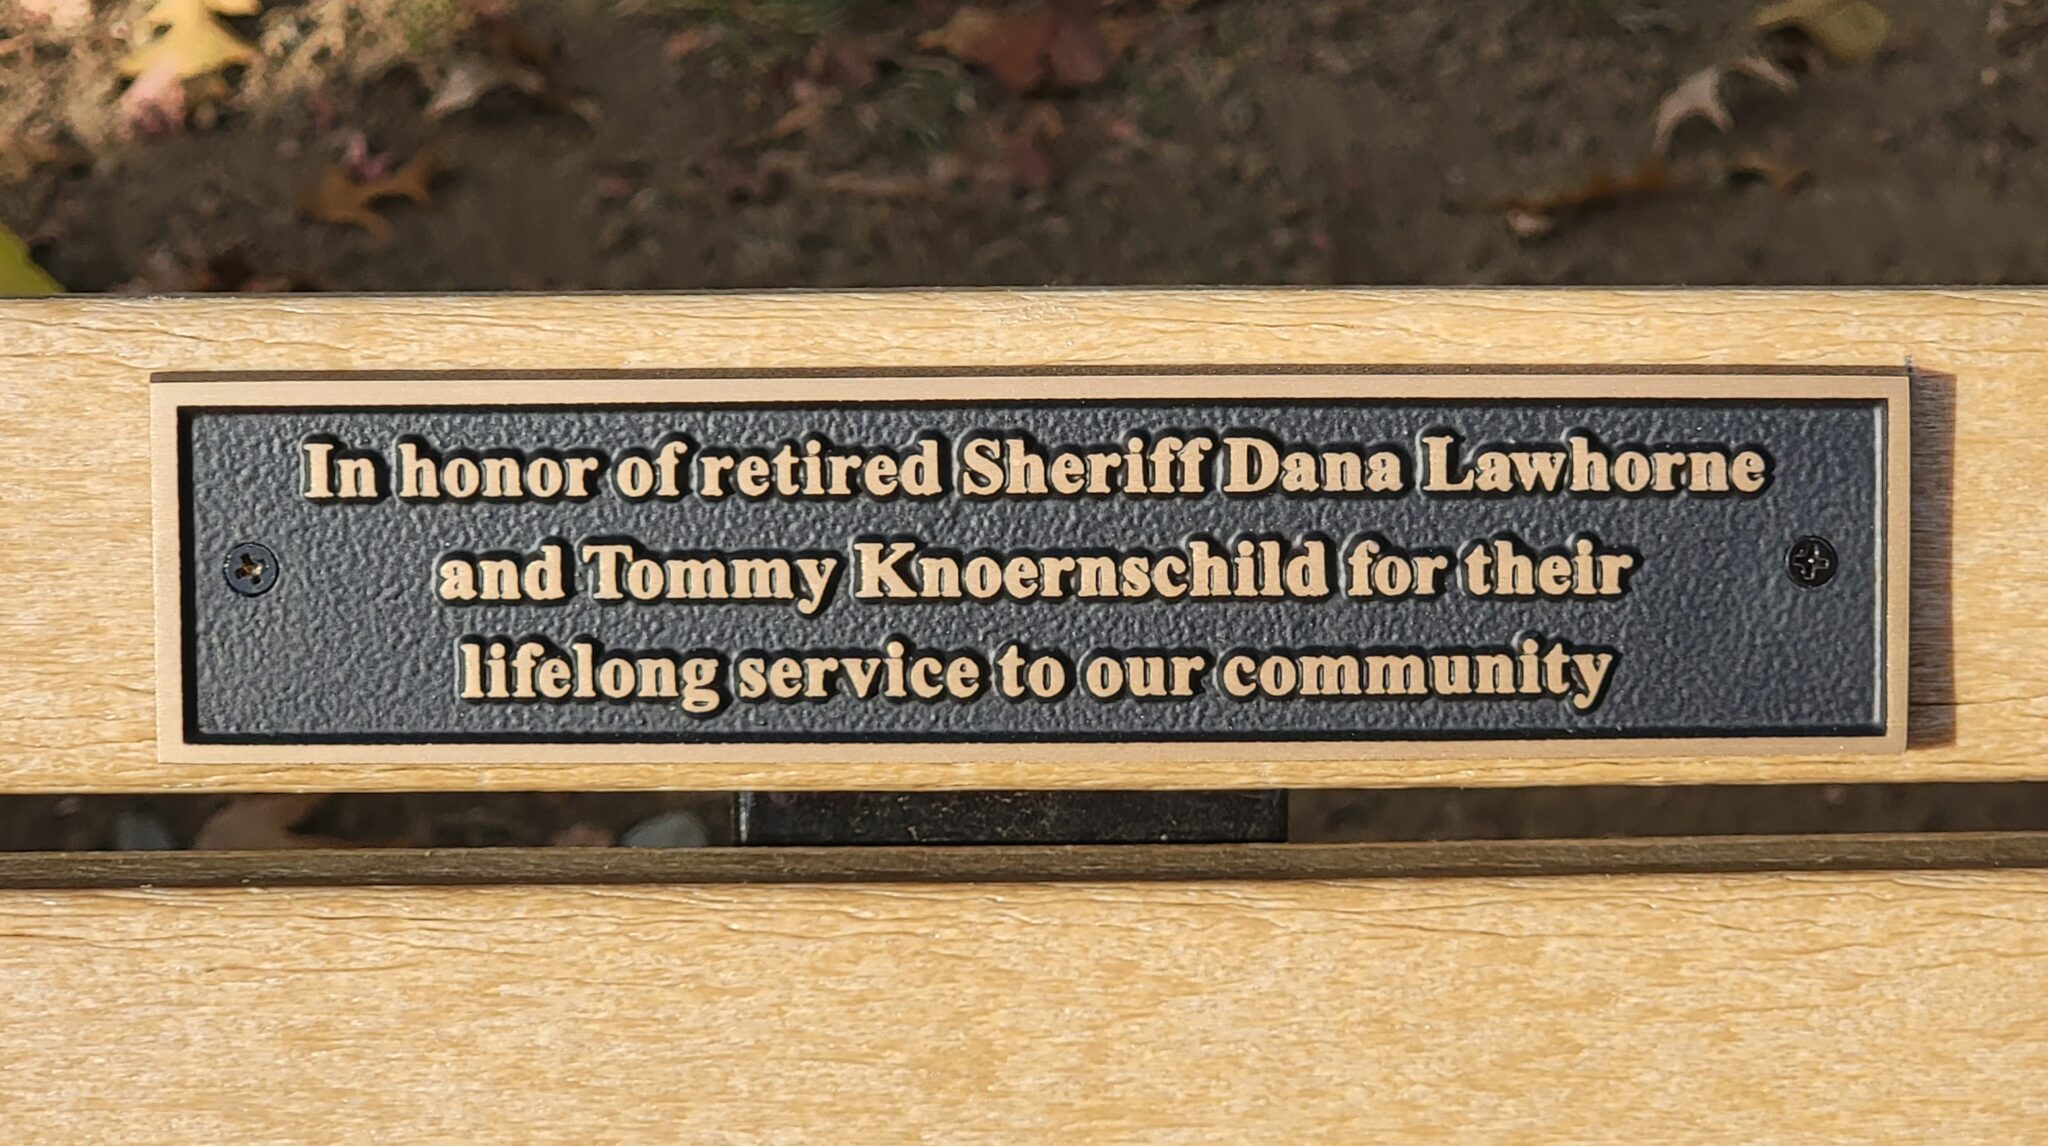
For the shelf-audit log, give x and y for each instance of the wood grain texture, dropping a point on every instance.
(76, 679)
(1738, 1008)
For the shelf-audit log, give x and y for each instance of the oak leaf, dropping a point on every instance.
(339, 198)
(19, 274)
(1849, 31)
(188, 39)
(1061, 44)
(1699, 97)
(506, 58)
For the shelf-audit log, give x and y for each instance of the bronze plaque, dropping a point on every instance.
(1035, 566)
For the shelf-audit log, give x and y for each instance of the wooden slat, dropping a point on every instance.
(1122, 863)
(76, 679)
(1820, 1007)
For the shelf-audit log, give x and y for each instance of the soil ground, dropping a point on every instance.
(1324, 141)
(690, 144)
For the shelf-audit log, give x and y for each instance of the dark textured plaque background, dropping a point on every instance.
(1715, 639)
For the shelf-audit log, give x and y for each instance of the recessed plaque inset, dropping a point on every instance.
(1257, 566)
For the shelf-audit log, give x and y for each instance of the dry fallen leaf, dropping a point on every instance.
(1060, 44)
(155, 103)
(1849, 31)
(505, 58)
(1699, 97)
(883, 186)
(165, 271)
(60, 15)
(338, 198)
(1536, 216)
(2013, 26)
(850, 62)
(1077, 55)
(970, 37)
(1758, 66)
(689, 42)
(261, 823)
(189, 40)
(19, 274)
(812, 102)
(1783, 177)
(470, 78)
(832, 70)
(1527, 224)
(581, 835)
(161, 272)
(363, 164)
(22, 152)
(757, 179)
(1027, 160)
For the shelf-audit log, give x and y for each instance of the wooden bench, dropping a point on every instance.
(1792, 989)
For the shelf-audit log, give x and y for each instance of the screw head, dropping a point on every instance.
(1811, 562)
(251, 569)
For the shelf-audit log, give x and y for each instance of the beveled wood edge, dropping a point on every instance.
(973, 370)
(1111, 863)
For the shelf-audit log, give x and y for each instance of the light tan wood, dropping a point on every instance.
(76, 680)
(1740, 1008)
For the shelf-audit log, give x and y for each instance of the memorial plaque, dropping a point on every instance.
(1036, 566)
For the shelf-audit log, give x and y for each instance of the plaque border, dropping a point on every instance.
(173, 391)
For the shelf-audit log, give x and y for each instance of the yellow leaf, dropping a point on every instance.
(1849, 31)
(190, 40)
(18, 273)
